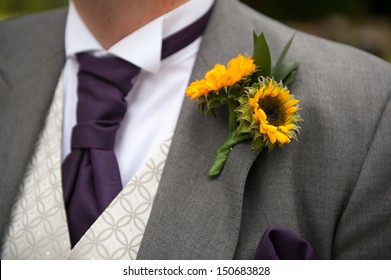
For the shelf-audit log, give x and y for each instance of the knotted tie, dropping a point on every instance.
(91, 178)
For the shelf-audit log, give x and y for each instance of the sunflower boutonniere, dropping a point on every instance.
(261, 107)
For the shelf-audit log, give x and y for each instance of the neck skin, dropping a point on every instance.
(112, 20)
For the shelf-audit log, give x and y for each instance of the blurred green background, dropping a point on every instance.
(365, 24)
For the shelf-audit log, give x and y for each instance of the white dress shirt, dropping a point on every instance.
(155, 100)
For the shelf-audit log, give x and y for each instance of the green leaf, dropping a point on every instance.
(248, 117)
(242, 109)
(289, 78)
(282, 56)
(258, 143)
(214, 103)
(242, 100)
(245, 116)
(202, 107)
(244, 127)
(285, 70)
(262, 54)
(233, 89)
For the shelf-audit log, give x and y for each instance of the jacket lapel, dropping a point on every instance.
(32, 86)
(195, 217)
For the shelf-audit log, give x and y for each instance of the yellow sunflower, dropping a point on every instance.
(197, 89)
(273, 111)
(239, 67)
(221, 76)
(217, 77)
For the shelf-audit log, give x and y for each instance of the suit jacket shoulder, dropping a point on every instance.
(29, 41)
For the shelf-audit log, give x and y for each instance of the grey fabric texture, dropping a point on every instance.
(31, 60)
(332, 187)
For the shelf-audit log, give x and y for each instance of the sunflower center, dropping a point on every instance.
(273, 109)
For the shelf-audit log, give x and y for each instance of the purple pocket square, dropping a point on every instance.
(278, 243)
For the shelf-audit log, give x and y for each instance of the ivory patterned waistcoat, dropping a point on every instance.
(38, 228)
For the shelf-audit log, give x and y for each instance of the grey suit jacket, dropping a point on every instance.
(333, 187)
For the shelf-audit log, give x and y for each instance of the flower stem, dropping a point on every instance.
(233, 139)
(223, 153)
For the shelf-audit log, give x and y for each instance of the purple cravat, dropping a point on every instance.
(91, 178)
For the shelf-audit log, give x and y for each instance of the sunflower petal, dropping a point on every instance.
(272, 137)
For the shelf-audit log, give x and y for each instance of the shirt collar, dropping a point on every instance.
(142, 47)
